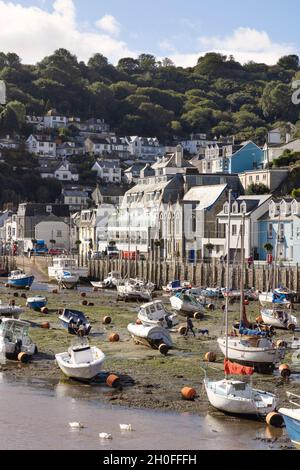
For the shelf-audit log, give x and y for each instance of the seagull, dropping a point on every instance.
(76, 425)
(104, 435)
(125, 427)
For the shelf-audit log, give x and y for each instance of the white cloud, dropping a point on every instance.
(109, 24)
(33, 33)
(245, 44)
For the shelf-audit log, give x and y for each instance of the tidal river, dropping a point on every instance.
(35, 416)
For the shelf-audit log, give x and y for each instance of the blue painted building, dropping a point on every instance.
(229, 158)
(280, 227)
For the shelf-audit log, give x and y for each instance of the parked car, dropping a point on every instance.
(56, 252)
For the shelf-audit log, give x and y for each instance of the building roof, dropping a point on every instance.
(148, 188)
(205, 195)
(108, 163)
(35, 209)
(74, 193)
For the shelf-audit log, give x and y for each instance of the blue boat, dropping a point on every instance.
(37, 302)
(20, 280)
(75, 322)
(292, 420)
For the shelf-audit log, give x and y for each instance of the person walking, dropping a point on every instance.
(189, 327)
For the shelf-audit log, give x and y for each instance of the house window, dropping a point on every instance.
(270, 231)
(292, 230)
(264, 177)
(234, 230)
(257, 177)
(59, 233)
(250, 179)
(281, 231)
(298, 233)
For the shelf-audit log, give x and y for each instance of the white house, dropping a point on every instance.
(144, 147)
(76, 199)
(54, 120)
(108, 170)
(196, 144)
(67, 149)
(43, 145)
(97, 146)
(66, 172)
(53, 230)
(273, 151)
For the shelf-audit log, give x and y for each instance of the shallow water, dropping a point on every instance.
(35, 416)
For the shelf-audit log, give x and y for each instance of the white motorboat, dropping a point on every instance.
(291, 418)
(279, 318)
(176, 286)
(154, 313)
(15, 339)
(110, 282)
(81, 362)
(135, 289)
(64, 263)
(68, 280)
(10, 310)
(188, 304)
(153, 336)
(233, 396)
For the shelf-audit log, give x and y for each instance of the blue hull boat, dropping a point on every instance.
(292, 420)
(36, 303)
(19, 280)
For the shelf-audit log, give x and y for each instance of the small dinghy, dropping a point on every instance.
(156, 337)
(154, 313)
(111, 282)
(20, 280)
(10, 310)
(15, 339)
(37, 302)
(75, 322)
(176, 286)
(81, 362)
(187, 304)
(68, 280)
(279, 318)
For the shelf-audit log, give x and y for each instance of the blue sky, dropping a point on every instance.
(180, 29)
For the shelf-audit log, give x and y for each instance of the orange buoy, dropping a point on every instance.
(188, 393)
(83, 294)
(84, 302)
(281, 344)
(285, 370)
(7, 285)
(210, 357)
(23, 357)
(291, 326)
(16, 294)
(91, 304)
(114, 338)
(246, 302)
(44, 310)
(163, 349)
(211, 307)
(113, 381)
(45, 325)
(182, 330)
(106, 320)
(138, 322)
(24, 296)
(274, 419)
(95, 289)
(55, 291)
(259, 320)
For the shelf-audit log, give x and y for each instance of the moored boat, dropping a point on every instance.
(292, 419)
(278, 297)
(68, 264)
(37, 302)
(187, 304)
(68, 280)
(110, 282)
(279, 318)
(15, 339)
(151, 336)
(10, 310)
(81, 362)
(135, 289)
(20, 280)
(75, 322)
(154, 313)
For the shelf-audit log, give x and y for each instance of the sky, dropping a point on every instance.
(183, 30)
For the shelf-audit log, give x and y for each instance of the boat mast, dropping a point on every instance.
(275, 270)
(242, 306)
(227, 273)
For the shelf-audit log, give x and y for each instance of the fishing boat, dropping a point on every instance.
(135, 289)
(187, 304)
(279, 318)
(15, 339)
(154, 313)
(81, 362)
(110, 282)
(156, 337)
(10, 310)
(74, 321)
(37, 302)
(68, 280)
(280, 296)
(20, 280)
(292, 419)
(234, 396)
(176, 286)
(69, 264)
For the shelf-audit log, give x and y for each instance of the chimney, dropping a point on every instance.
(179, 156)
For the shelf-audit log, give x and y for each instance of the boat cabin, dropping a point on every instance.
(81, 355)
(14, 330)
(154, 310)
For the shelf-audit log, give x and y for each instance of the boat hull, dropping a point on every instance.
(85, 372)
(21, 283)
(292, 426)
(36, 304)
(152, 336)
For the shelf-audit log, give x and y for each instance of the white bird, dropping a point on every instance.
(76, 425)
(104, 435)
(126, 427)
